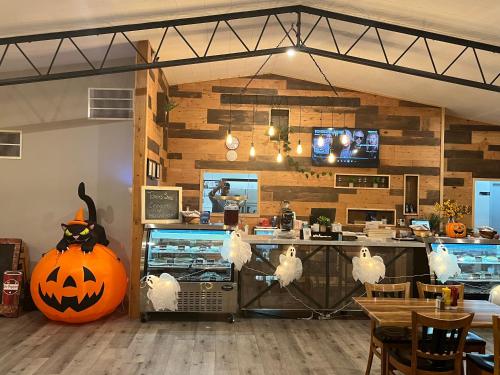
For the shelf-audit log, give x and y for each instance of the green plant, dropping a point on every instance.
(434, 221)
(292, 163)
(377, 180)
(323, 220)
(351, 179)
(170, 106)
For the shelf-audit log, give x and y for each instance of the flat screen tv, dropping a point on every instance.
(351, 147)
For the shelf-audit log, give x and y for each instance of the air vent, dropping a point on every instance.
(200, 301)
(111, 104)
(10, 144)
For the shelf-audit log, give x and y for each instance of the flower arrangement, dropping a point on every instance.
(452, 209)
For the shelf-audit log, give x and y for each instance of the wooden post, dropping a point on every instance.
(139, 176)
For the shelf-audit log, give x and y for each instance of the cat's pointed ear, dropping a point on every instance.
(91, 226)
(64, 226)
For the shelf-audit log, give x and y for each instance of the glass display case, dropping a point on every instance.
(191, 254)
(479, 261)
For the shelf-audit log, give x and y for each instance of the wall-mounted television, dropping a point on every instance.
(351, 147)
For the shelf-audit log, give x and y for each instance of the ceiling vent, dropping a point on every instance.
(10, 144)
(111, 104)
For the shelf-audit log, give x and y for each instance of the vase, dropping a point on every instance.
(322, 228)
(455, 229)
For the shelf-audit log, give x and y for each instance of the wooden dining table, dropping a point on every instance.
(397, 311)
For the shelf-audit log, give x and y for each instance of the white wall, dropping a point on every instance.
(61, 147)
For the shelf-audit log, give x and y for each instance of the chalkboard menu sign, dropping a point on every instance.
(161, 204)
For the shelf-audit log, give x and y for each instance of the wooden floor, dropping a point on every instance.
(33, 345)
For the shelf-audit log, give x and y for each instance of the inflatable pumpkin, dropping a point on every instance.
(78, 287)
(456, 230)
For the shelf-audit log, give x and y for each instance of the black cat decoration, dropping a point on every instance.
(78, 231)
(99, 232)
(87, 233)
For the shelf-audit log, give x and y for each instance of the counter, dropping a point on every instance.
(326, 283)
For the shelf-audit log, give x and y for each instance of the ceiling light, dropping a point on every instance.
(252, 151)
(321, 141)
(279, 158)
(229, 138)
(331, 158)
(291, 52)
(271, 130)
(299, 148)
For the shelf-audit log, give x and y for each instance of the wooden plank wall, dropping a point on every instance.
(148, 143)
(410, 139)
(472, 150)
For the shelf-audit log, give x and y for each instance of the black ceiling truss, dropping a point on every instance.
(262, 17)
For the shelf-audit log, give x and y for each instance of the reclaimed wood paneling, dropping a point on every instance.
(410, 142)
(469, 153)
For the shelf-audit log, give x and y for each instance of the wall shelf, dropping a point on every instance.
(411, 194)
(358, 216)
(362, 181)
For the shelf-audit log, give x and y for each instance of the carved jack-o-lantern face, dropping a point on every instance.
(76, 287)
(456, 230)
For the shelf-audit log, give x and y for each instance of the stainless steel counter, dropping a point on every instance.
(269, 240)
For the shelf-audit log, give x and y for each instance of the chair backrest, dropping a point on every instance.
(431, 290)
(496, 341)
(439, 340)
(401, 290)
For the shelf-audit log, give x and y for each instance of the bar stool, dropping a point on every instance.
(473, 342)
(484, 364)
(385, 338)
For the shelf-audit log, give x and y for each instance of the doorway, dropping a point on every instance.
(486, 201)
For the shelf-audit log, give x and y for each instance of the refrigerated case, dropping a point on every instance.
(479, 261)
(191, 253)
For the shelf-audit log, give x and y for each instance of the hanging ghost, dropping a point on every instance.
(236, 251)
(163, 291)
(368, 269)
(290, 267)
(443, 264)
(495, 295)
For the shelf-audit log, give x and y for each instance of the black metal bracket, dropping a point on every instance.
(282, 16)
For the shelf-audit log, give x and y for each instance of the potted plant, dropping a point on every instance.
(351, 181)
(434, 221)
(453, 211)
(323, 222)
(376, 181)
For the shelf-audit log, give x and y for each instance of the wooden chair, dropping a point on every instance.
(437, 353)
(473, 342)
(486, 364)
(384, 338)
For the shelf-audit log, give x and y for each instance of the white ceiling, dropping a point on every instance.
(471, 20)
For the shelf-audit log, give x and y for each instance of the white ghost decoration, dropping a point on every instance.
(290, 267)
(443, 264)
(495, 295)
(236, 251)
(163, 291)
(368, 269)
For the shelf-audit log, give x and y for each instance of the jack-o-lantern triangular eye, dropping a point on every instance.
(88, 275)
(53, 275)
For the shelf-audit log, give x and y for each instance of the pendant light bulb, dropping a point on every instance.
(321, 141)
(279, 158)
(229, 138)
(299, 148)
(271, 131)
(331, 157)
(344, 139)
(252, 151)
(291, 52)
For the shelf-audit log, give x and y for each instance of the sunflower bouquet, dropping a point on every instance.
(452, 209)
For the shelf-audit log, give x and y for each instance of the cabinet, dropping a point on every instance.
(362, 181)
(479, 261)
(191, 253)
(411, 195)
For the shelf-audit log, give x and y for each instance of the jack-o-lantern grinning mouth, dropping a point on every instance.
(70, 302)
